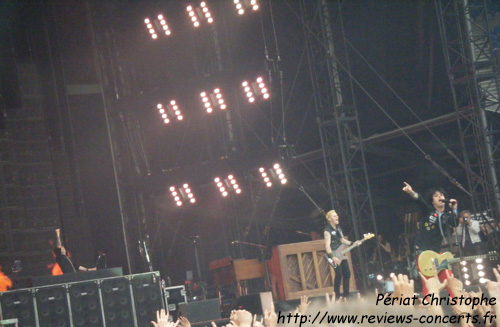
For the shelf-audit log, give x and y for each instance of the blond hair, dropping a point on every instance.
(331, 212)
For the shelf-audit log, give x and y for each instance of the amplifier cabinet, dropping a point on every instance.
(117, 302)
(53, 306)
(19, 305)
(86, 304)
(146, 289)
(123, 301)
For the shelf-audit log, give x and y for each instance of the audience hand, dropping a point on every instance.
(162, 320)
(257, 323)
(433, 284)
(270, 318)
(184, 322)
(481, 309)
(304, 305)
(241, 318)
(402, 286)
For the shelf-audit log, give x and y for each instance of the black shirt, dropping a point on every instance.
(67, 266)
(429, 236)
(335, 236)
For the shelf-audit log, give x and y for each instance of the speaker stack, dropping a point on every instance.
(86, 304)
(147, 298)
(19, 305)
(126, 301)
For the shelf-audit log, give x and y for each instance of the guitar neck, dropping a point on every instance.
(355, 244)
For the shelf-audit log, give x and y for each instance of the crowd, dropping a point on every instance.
(402, 307)
(474, 308)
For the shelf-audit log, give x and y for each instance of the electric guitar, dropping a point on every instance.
(341, 251)
(428, 259)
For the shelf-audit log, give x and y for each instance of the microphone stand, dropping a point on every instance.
(303, 190)
(262, 249)
(457, 242)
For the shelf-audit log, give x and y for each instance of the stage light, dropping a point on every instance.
(479, 260)
(182, 194)
(255, 89)
(241, 5)
(467, 282)
(263, 174)
(157, 26)
(199, 14)
(172, 110)
(275, 174)
(279, 173)
(213, 100)
(231, 185)
(163, 113)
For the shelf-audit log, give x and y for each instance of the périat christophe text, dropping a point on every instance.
(327, 317)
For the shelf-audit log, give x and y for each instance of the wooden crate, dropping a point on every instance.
(301, 269)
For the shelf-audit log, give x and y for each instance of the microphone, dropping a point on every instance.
(448, 201)
(235, 242)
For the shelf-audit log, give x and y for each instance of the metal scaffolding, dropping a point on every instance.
(342, 146)
(472, 62)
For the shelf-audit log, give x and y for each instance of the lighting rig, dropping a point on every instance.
(475, 271)
(241, 5)
(171, 110)
(273, 174)
(182, 194)
(255, 89)
(200, 14)
(227, 185)
(157, 26)
(213, 100)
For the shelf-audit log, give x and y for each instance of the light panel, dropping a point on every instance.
(157, 26)
(243, 5)
(213, 100)
(182, 194)
(199, 14)
(227, 185)
(255, 90)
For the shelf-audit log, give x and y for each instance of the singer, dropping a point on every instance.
(438, 221)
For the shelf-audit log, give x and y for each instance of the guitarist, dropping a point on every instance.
(334, 238)
(64, 262)
(437, 221)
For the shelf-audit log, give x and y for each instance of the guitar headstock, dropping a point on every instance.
(367, 236)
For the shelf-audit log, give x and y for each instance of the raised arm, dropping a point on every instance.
(58, 238)
(408, 189)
